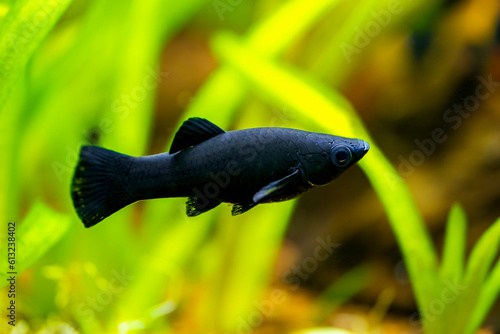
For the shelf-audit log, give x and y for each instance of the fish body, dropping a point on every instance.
(211, 166)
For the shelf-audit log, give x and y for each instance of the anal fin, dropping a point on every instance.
(240, 208)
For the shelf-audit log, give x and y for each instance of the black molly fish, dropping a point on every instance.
(209, 166)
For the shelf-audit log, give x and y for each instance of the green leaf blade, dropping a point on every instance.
(454, 245)
(37, 233)
(23, 29)
(482, 255)
(482, 289)
(330, 111)
(487, 297)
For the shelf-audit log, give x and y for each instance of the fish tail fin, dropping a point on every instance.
(101, 186)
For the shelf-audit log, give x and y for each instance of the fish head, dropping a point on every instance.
(346, 152)
(335, 155)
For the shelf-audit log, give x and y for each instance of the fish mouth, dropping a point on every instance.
(366, 147)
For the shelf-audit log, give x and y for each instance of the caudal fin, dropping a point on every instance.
(100, 185)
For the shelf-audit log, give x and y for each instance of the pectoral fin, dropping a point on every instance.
(284, 188)
(279, 190)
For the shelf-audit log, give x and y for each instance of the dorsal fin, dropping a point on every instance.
(192, 132)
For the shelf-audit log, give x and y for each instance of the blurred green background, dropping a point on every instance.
(376, 251)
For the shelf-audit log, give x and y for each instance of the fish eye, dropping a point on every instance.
(341, 156)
